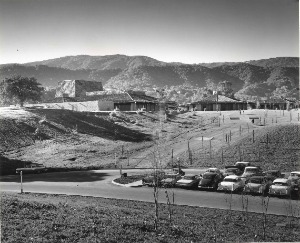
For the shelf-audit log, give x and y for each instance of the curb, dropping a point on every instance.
(125, 185)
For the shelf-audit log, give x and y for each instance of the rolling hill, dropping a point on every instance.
(255, 77)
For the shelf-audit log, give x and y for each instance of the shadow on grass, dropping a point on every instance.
(72, 176)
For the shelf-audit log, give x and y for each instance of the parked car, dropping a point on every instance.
(33, 168)
(257, 185)
(178, 171)
(242, 164)
(251, 171)
(232, 170)
(273, 174)
(213, 170)
(188, 181)
(231, 183)
(154, 178)
(295, 176)
(282, 187)
(170, 180)
(210, 180)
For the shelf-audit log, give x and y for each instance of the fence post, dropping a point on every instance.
(222, 158)
(190, 155)
(172, 159)
(21, 174)
(210, 148)
(253, 136)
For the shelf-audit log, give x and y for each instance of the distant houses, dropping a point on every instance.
(82, 95)
(218, 103)
(128, 100)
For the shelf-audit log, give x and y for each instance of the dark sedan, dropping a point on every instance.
(210, 181)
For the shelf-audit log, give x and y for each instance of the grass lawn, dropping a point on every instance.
(59, 218)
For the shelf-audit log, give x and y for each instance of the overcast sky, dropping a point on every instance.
(188, 31)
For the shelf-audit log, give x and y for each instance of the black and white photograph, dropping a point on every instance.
(149, 121)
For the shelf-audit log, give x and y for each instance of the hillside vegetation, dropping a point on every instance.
(254, 78)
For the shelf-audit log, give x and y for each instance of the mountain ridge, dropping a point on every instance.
(141, 72)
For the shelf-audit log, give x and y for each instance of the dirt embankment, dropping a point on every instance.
(62, 138)
(76, 140)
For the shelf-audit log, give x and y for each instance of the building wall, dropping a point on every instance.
(220, 106)
(77, 88)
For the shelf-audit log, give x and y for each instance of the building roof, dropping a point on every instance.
(217, 98)
(125, 97)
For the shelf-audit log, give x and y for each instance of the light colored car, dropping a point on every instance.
(213, 170)
(154, 179)
(188, 181)
(257, 185)
(170, 180)
(231, 183)
(294, 176)
(281, 187)
(251, 171)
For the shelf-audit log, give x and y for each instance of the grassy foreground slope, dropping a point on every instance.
(59, 218)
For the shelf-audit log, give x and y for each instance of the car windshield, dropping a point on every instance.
(189, 177)
(208, 176)
(295, 174)
(230, 180)
(256, 180)
(231, 170)
(280, 184)
(251, 170)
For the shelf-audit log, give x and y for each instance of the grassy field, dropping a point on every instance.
(74, 140)
(58, 218)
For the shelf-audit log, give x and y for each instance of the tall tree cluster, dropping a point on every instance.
(18, 90)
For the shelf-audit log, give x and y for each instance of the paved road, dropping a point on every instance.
(98, 183)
